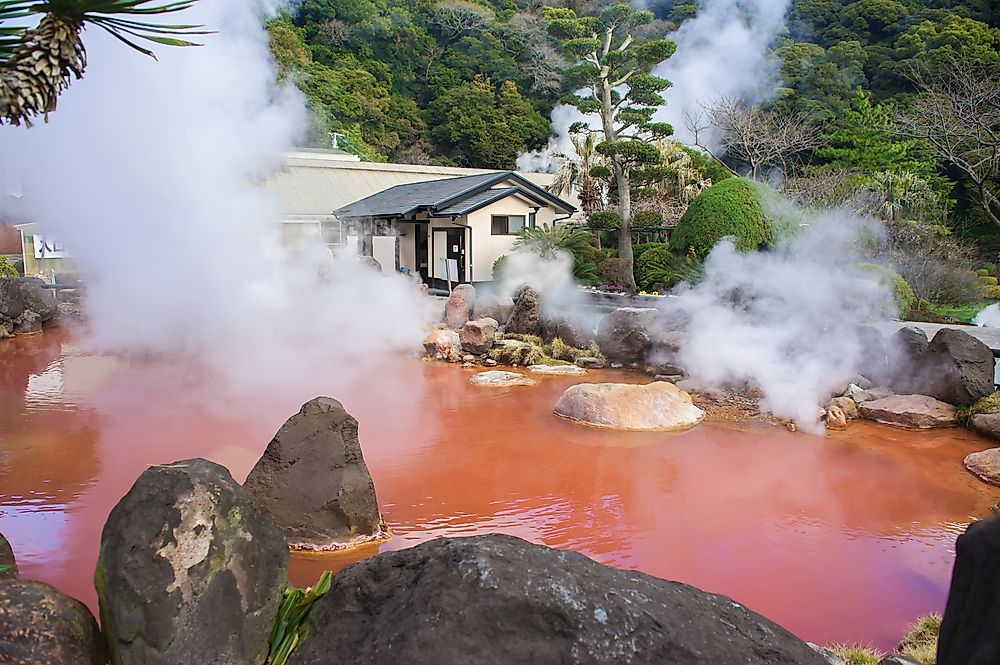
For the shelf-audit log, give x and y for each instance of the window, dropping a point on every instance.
(507, 225)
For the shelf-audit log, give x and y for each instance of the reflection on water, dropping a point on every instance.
(844, 538)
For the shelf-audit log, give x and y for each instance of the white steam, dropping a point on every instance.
(152, 171)
(785, 320)
(724, 51)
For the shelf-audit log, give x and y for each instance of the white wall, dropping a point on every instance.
(486, 247)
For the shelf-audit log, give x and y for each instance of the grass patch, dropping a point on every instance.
(533, 340)
(988, 404)
(290, 629)
(920, 643)
(963, 312)
(857, 654)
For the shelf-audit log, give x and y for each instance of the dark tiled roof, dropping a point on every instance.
(475, 202)
(447, 197)
(403, 199)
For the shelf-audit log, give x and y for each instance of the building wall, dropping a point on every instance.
(486, 247)
(34, 267)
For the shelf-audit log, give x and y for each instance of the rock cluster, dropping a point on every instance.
(499, 599)
(313, 482)
(25, 306)
(954, 367)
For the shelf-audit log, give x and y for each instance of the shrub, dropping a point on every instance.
(988, 281)
(545, 240)
(7, 268)
(604, 219)
(902, 295)
(857, 654)
(614, 271)
(988, 404)
(737, 208)
(652, 265)
(983, 272)
(920, 643)
(498, 267)
(560, 350)
(991, 292)
(645, 219)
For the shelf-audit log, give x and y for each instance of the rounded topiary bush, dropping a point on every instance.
(737, 208)
(652, 264)
(902, 294)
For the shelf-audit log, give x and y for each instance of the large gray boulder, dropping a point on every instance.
(987, 424)
(479, 336)
(8, 564)
(969, 632)
(954, 367)
(573, 331)
(498, 600)
(458, 309)
(38, 299)
(41, 626)
(190, 570)
(627, 334)
(11, 298)
(526, 317)
(313, 482)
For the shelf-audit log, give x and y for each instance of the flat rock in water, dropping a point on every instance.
(655, 407)
(500, 379)
(987, 424)
(559, 370)
(911, 411)
(497, 599)
(41, 626)
(313, 482)
(190, 570)
(985, 465)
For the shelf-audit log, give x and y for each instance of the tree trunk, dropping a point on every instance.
(623, 185)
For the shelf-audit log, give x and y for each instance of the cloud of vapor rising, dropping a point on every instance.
(785, 320)
(152, 173)
(724, 51)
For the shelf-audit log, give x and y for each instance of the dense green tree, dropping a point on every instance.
(612, 68)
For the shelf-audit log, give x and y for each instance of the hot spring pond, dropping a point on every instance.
(845, 538)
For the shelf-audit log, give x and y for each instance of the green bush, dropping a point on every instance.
(646, 219)
(983, 272)
(614, 272)
(902, 295)
(989, 281)
(7, 268)
(604, 219)
(735, 207)
(651, 264)
(498, 267)
(991, 292)
(545, 240)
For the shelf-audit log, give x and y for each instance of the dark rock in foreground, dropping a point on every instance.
(40, 626)
(954, 367)
(970, 632)
(8, 565)
(190, 570)
(495, 600)
(526, 317)
(312, 480)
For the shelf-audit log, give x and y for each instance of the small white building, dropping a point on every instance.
(331, 199)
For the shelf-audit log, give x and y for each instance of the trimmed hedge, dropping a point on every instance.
(737, 208)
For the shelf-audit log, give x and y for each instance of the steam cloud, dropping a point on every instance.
(152, 171)
(786, 320)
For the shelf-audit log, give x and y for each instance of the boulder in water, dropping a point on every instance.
(985, 465)
(557, 370)
(987, 424)
(38, 299)
(458, 308)
(29, 322)
(190, 570)
(313, 482)
(479, 336)
(444, 345)
(498, 599)
(969, 631)
(41, 626)
(964, 367)
(911, 411)
(627, 334)
(526, 317)
(500, 379)
(655, 407)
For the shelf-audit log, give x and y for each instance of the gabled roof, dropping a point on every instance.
(447, 197)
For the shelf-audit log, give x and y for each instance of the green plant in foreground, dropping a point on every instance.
(290, 629)
(857, 654)
(920, 643)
